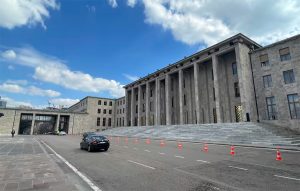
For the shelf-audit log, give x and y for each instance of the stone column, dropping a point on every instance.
(139, 105)
(57, 123)
(132, 107)
(157, 94)
(216, 86)
(196, 81)
(168, 100)
(181, 104)
(147, 103)
(32, 124)
(126, 108)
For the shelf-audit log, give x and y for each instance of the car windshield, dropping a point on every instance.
(98, 138)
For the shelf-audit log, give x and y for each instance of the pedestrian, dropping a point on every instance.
(13, 133)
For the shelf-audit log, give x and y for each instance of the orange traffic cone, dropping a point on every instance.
(278, 155)
(179, 145)
(162, 143)
(148, 141)
(205, 148)
(232, 152)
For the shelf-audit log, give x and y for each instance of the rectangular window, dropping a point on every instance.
(109, 122)
(234, 68)
(123, 110)
(143, 107)
(184, 100)
(236, 89)
(183, 83)
(110, 103)
(212, 74)
(172, 101)
(104, 111)
(104, 122)
(294, 106)
(98, 121)
(271, 108)
(136, 97)
(105, 103)
(214, 94)
(110, 111)
(151, 93)
(99, 110)
(136, 109)
(267, 81)
(288, 76)
(99, 102)
(264, 60)
(151, 105)
(285, 54)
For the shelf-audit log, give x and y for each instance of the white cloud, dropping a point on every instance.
(53, 70)
(130, 77)
(113, 3)
(131, 3)
(8, 54)
(19, 82)
(66, 102)
(15, 13)
(208, 22)
(14, 103)
(11, 87)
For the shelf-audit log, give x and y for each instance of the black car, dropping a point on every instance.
(1, 114)
(93, 142)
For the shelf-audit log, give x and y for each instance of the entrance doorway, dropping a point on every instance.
(25, 124)
(238, 113)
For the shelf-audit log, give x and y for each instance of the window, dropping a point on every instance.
(285, 54)
(264, 60)
(143, 107)
(271, 108)
(184, 99)
(212, 74)
(98, 121)
(267, 81)
(136, 97)
(183, 83)
(151, 93)
(104, 122)
(124, 101)
(123, 110)
(214, 94)
(236, 89)
(143, 95)
(110, 111)
(110, 103)
(288, 76)
(99, 110)
(234, 68)
(104, 111)
(172, 101)
(109, 122)
(105, 102)
(136, 109)
(294, 106)
(151, 105)
(99, 102)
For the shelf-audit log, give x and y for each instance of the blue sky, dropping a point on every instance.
(63, 50)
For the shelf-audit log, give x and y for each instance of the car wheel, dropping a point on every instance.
(106, 149)
(81, 147)
(89, 148)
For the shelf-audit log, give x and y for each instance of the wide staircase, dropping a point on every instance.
(228, 133)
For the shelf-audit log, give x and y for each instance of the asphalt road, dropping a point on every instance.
(131, 165)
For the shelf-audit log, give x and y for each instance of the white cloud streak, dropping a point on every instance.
(12, 87)
(53, 70)
(14, 103)
(131, 3)
(113, 3)
(66, 102)
(130, 77)
(16, 13)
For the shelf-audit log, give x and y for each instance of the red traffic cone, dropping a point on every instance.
(205, 148)
(162, 143)
(179, 145)
(278, 155)
(148, 141)
(232, 152)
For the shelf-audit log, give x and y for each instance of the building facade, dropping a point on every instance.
(223, 83)
(101, 112)
(276, 70)
(120, 106)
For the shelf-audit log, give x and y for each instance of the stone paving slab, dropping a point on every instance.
(25, 165)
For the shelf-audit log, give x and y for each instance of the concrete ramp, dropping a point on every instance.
(227, 133)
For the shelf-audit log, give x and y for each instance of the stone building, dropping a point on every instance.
(101, 112)
(37, 121)
(276, 70)
(213, 85)
(227, 82)
(120, 106)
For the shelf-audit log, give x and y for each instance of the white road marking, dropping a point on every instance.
(76, 171)
(141, 164)
(147, 151)
(162, 153)
(237, 168)
(177, 156)
(135, 148)
(204, 161)
(286, 177)
(125, 146)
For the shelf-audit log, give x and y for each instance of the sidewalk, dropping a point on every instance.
(26, 165)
